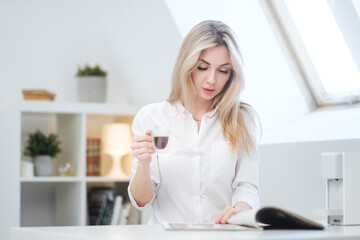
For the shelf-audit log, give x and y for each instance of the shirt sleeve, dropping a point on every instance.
(246, 182)
(140, 125)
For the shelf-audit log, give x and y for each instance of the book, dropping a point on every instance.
(100, 205)
(134, 217)
(125, 210)
(38, 95)
(264, 218)
(107, 213)
(93, 154)
(271, 217)
(116, 210)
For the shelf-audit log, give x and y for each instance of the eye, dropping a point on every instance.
(224, 70)
(202, 68)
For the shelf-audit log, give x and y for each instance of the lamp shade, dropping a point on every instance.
(116, 139)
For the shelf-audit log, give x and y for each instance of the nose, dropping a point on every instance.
(211, 78)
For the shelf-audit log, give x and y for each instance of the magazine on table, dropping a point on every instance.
(268, 217)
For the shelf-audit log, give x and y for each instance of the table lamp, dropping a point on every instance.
(116, 141)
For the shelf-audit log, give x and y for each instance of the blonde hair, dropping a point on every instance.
(235, 118)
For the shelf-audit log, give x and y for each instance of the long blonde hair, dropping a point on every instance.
(235, 117)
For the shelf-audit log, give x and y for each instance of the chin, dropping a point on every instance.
(207, 97)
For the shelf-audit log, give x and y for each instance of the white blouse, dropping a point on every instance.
(199, 174)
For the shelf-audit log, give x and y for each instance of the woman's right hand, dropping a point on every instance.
(143, 147)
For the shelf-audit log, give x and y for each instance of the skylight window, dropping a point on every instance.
(326, 45)
(323, 36)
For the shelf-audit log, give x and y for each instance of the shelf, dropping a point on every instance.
(52, 203)
(73, 179)
(77, 107)
(62, 200)
(106, 179)
(50, 179)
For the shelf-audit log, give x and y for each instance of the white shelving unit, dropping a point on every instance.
(55, 200)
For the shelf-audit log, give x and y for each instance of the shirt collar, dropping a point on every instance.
(212, 112)
(181, 109)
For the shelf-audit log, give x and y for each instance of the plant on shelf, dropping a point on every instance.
(43, 149)
(91, 71)
(91, 83)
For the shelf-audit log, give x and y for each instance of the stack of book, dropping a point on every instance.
(93, 154)
(38, 95)
(106, 208)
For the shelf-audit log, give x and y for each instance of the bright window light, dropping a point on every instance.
(356, 4)
(326, 46)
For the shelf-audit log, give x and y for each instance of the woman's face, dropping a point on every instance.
(211, 73)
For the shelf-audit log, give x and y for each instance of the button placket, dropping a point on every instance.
(196, 187)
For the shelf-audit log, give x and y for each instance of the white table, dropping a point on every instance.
(152, 232)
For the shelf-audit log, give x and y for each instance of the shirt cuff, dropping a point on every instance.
(251, 197)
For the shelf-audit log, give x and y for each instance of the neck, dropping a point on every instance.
(200, 108)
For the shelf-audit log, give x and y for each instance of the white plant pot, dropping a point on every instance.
(43, 165)
(92, 89)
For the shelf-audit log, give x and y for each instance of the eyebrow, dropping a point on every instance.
(225, 64)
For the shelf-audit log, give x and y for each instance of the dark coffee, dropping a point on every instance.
(161, 141)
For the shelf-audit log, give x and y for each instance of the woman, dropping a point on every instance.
(209, 168)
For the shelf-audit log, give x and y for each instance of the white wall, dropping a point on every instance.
(44, 41)
(290, 174)
(321, 125)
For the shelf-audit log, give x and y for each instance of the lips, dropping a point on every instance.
(208, 90)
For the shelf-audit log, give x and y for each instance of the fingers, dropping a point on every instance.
(144, 158)
(225, 215)
(142, 146)
(142, 138)
(218, 220)
(143, 150)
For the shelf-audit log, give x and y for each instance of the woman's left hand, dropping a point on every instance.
(229, 211)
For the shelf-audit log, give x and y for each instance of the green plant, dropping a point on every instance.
(91, 71)
(40, 144)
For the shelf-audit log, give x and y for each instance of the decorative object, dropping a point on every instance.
(42, 149)
(65, 169)
(38, 94)
(91, 84)
(116, 140)
(27, 169)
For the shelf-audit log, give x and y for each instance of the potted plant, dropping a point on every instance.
(91, 83)
(42, 149)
